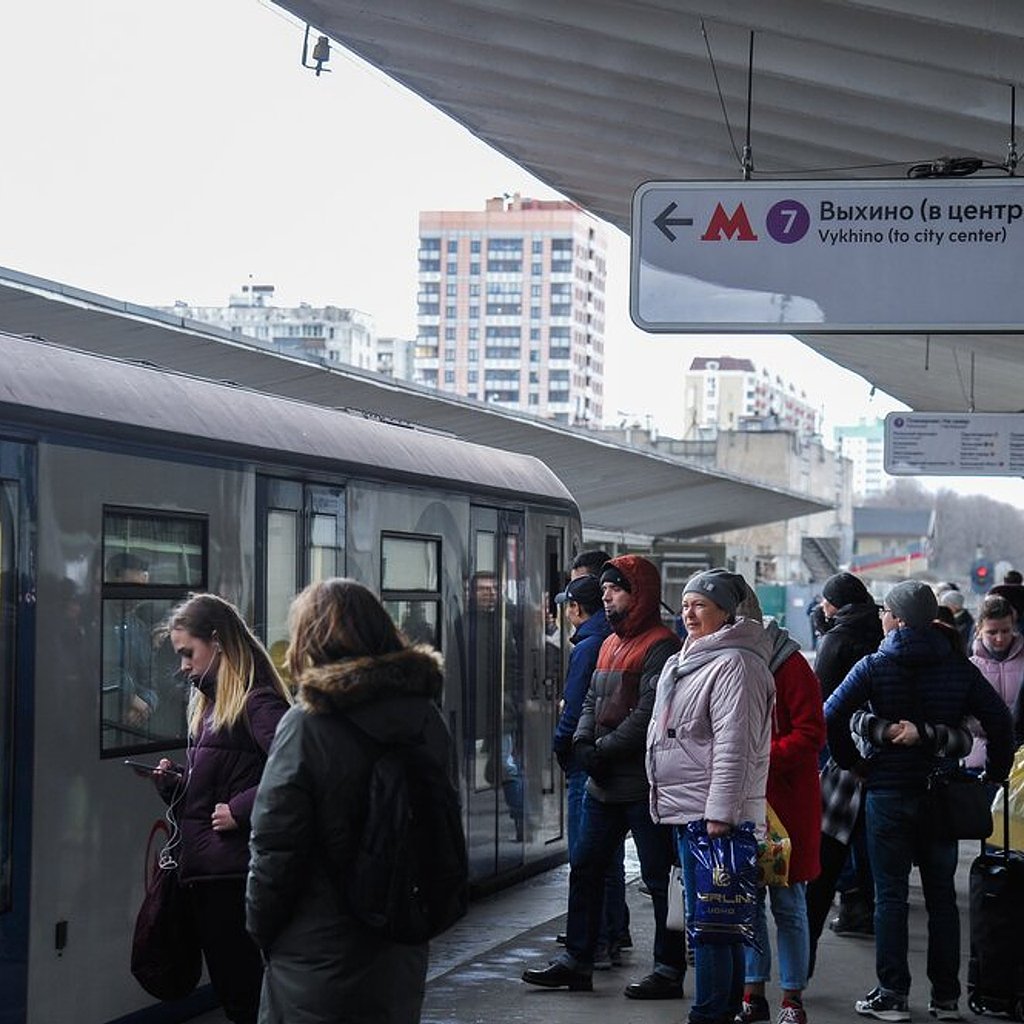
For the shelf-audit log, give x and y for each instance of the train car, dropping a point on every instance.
(122, 489)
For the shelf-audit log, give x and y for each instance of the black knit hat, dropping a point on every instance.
(844, 588)
(613, 574)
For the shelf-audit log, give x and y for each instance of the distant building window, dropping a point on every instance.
(537, 246)
(537, 269)
(474, 246)
(450, 312)
(449, 376)
(449, 334)
(431, 243)
(453, 267)
(453, 245)
(451, 289)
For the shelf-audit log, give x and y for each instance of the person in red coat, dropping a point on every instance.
(798, 734)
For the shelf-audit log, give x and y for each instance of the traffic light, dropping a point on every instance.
(981, 575)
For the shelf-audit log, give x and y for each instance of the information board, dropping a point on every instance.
(954, 444)
(864, 256)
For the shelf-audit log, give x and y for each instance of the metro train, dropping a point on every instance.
(123, 488)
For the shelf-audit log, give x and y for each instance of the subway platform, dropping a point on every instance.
(475, 967)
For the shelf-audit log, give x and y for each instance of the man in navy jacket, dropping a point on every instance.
(915, 687)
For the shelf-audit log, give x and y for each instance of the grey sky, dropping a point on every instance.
(155, 152)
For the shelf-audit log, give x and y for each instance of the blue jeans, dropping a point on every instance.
(718, 985)
(789, 909)
(604, 828)
(895, 843)
(614, 918)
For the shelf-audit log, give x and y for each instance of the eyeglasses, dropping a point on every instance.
(883, 611)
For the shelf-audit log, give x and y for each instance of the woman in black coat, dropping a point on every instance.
(354, 671)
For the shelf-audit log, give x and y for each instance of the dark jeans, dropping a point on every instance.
(615, 919)
(896, 841)
(604, 828)
(232, 959)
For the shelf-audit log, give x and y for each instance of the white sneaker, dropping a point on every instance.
(883, 1007)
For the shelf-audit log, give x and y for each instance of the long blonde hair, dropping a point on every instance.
(242, 661)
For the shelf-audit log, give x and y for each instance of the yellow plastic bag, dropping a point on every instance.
(773, 852)
(1016, 807)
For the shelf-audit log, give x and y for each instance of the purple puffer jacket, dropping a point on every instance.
(224, 766)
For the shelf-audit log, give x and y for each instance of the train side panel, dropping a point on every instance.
(93, 816)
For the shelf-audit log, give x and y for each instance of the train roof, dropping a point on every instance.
(60, 389)
(618, 487)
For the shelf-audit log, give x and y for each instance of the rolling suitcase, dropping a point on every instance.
(995, 971)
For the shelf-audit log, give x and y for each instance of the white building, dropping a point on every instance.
(324, 332)
(864, 446)
(511, 306)
(725, 393)
(396, 357)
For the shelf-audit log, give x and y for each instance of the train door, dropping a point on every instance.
(494, 698)
(16, 599)
(301, 540)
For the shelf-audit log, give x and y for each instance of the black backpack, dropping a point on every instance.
(410, 877)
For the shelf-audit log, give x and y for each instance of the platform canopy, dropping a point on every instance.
(597, 96)
(618, 488)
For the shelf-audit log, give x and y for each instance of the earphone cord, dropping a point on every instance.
(166, 859)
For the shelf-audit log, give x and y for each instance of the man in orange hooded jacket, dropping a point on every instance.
(610, 743)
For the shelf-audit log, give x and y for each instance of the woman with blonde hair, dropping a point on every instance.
(237, 700)
(362, 687)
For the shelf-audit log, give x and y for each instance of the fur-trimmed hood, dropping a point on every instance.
(341, 686)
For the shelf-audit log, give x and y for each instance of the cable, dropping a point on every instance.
(948, 167)
(721, 98)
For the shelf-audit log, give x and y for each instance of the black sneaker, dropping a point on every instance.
(755, 1008)
(883, 1007)
(857, 924)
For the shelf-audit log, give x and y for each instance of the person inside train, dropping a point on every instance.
(361, 685)
(609, 743)
(128, 655)
(236, 702)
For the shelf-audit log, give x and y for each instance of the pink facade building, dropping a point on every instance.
(511, 307)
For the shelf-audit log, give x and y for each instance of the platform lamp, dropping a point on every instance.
(321, 53)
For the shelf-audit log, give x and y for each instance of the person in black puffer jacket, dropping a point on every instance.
(356, 674)
(854, 630)
(914, 679)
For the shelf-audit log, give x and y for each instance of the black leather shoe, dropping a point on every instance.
(557, 975)
(655, 986)
(560, 938)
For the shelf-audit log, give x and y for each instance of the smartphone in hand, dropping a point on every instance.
(150, 769)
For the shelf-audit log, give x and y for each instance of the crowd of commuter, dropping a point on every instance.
(689, 739)
(738, 720)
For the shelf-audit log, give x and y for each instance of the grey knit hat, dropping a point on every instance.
(725, 588)
(913, 603)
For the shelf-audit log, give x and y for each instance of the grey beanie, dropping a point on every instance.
(913, 603)
(725, 588)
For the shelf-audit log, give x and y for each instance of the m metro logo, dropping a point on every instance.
(735, 226)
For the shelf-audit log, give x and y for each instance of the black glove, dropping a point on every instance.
(589, 759)
(563, 754)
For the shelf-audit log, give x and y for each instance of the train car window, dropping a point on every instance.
(150, 562)
(8, 608)
(411, 585)
(282, 578)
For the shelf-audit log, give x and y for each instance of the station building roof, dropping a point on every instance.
(618, 488)
(596, 97)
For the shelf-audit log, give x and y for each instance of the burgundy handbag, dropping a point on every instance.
(166, 957)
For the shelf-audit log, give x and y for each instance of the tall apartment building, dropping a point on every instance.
(511, 306)
(864, 445)
(325, 332)
(725, 393)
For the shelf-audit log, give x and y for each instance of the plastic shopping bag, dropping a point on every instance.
(725, 883)
(774, 852)
(1015, 807)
